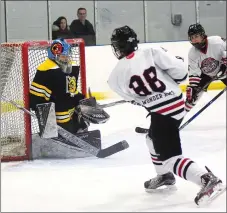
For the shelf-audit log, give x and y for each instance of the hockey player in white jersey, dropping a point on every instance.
(206, 61)
(150, 77)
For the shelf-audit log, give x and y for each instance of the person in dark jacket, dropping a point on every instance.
(82, 28)
(60, 29)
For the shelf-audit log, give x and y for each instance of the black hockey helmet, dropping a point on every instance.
(197, 29)
(124, 41)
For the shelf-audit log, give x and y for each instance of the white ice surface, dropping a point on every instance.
(116, 183)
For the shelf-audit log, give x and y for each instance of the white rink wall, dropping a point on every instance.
(100, 61)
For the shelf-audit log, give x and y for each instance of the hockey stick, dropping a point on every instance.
(100, 153)
(201, 110)
(113, 103)
(144, 130)
(109, 104)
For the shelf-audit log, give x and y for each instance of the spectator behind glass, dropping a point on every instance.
(82, 28)
(60, 29)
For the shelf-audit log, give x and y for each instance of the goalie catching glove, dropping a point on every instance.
(91, 112)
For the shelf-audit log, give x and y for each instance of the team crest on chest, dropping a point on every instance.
(71, 87)
(209, 66)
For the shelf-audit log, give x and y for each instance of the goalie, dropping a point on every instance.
(56, 82)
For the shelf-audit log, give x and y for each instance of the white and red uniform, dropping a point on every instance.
(204, 65)
(207, 62)
(150, 77)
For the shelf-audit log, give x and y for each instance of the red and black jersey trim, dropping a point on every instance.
(171, 107)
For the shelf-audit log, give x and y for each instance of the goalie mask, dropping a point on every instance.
(196, 30)
(123, 41)
(60, 52)
(91, 112)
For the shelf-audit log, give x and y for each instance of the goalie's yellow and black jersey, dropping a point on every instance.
(50, 84)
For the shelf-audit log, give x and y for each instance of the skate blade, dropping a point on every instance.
(162, 189)
(206, 200)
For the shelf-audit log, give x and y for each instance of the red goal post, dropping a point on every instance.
(19, 62)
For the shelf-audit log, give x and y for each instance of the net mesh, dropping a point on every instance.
(14, 122)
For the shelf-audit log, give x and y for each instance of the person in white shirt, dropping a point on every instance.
(206, 61)
(150, 77)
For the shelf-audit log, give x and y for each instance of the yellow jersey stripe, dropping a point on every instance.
(62, 113)
(47, 65)
(40, 91)
(63, 120)
(41, 87)
(40, 95)
(60, 117)
(69, 112)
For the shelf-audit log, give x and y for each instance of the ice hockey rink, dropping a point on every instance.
(116, 183)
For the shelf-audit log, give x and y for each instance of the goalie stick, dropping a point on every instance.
(100, 153)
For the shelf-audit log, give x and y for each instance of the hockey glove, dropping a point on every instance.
(193, 94)
(222, 74)
(91, 112)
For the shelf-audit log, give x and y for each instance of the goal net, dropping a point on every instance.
(18, 64)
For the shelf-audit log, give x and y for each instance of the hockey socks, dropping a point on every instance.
(155, 157)
(185, 168)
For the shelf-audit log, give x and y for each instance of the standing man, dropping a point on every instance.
(82, 28)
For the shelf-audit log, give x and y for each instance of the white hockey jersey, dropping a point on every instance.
(150, 77)
(207, 62)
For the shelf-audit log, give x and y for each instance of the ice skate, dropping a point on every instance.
(211, 189)
(160, 183)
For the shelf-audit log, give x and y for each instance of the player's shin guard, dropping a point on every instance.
(155, 157)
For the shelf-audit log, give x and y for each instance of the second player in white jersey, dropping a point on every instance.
(150, 77)
(206, 62)
(209, 59)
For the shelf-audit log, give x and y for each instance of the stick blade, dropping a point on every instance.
(141, 130)
(118, 147)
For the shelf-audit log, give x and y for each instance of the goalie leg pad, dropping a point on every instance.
(165, 136)
(55, 148)
(46, 116)
(92, 137)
